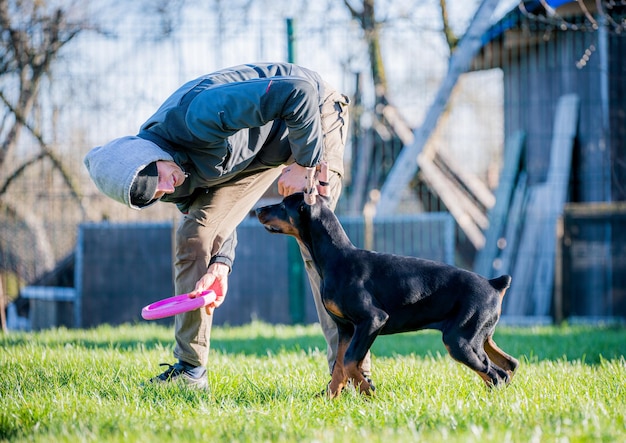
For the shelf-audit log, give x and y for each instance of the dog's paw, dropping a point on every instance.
(327, 393)
(333, 390)
(365, 386)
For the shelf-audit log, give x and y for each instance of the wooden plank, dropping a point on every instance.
(595, 210)
(520, 293)
(531, 294)
(456, 204)
(556, 194)
(474, 185)
(49, 293)
(458, 193)
(559, 313)
(498, 215)
(504, 261)
(399, 125)
(505, 257)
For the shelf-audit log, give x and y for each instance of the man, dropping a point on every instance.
(213, 148)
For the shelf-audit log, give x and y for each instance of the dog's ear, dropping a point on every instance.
(310, 190)
(323, 188)
(316, 183)
(324, 199)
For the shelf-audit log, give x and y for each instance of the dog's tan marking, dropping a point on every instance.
(339, 378)
(282, 225)
(358, 380)
(501, 300)
(499, 357)
(485, 378)
(332, 307)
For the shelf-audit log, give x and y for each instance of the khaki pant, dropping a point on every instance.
(215, 214)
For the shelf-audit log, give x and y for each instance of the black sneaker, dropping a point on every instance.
(193, 376)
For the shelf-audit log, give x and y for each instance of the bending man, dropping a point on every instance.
(213, 148)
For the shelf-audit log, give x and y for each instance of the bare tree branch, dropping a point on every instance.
(29, 53)
(16, 173)
(367, 19)
(46, 152)
(451, 37)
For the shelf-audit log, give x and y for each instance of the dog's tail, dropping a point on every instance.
(501, 283)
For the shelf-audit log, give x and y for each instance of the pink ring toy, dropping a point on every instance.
(177, 305)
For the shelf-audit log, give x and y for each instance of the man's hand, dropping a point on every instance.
(216, 279)
(293, 179)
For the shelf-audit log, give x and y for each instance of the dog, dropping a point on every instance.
(369, 294)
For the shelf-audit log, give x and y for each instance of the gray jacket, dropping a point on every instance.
(242, 118)
(245, 118)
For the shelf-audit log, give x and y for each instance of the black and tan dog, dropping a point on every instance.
(369, 293)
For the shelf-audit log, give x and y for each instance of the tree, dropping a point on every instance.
(31, 39)
(366, 17)
(390, 130)
(389, 123)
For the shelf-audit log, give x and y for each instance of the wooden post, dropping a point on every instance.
(558, 272)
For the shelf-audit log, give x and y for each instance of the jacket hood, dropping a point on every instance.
(113, 167)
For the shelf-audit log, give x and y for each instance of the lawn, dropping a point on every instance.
(88, 385)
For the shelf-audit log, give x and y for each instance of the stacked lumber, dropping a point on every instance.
(522, 237)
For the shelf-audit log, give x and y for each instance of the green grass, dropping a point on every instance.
(86, 385)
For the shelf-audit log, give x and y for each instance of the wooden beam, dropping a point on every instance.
(508, 244)
(459, 206)
(535, 260)
(556, 194)
(475, 186)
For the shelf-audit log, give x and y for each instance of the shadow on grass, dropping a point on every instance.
(584, 343)
(587, 344)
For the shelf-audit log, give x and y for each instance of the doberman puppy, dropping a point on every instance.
(369, 293)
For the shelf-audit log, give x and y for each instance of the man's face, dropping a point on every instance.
(170, 177)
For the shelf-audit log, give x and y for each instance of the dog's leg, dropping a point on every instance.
(471, 353)
(339, 378)
(499, 357)
(364, 335)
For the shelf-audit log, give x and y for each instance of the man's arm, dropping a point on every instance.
(221, 111)
(226, 254)
(216, 276)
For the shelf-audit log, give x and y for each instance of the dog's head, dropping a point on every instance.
(292, 216)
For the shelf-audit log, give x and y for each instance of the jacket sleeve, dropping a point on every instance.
(222, 110)
(226, 254)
